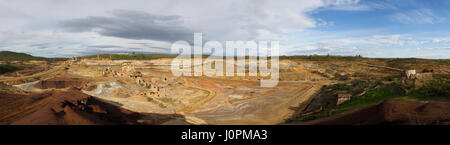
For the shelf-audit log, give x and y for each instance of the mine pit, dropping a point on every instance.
(95, 91)
(59, 83)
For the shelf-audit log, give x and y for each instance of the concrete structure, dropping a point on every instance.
(409, 73)
(343, 98)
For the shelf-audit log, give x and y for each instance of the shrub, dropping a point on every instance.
(4, 68)
(166, 99)
(437, 88)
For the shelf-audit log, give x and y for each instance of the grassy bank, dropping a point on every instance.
(436, 89)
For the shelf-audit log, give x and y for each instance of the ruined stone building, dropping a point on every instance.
(343, 98)
(418, 79)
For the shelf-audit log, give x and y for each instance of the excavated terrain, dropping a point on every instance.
(146, 92)
(71, 107)
(395, 112)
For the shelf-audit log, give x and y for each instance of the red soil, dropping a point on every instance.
(59, 83)
(396, 112)
(70, 107)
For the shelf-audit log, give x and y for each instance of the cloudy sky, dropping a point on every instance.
(371, 28)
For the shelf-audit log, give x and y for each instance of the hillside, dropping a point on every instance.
(4, 68)
(7, 63)
(131, 56)
(367, 93)
(15, 56)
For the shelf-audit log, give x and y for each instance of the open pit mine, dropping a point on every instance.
(105, 91)
(147, 91)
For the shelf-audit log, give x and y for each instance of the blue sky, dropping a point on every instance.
(371, 28)
(410, 28)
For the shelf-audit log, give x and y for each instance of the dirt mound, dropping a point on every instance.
(59, 83)
(10, 89)
(70, 107)
(396, 112)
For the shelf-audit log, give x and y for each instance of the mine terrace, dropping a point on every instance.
(86, 90)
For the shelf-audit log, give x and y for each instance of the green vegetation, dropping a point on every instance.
(2, 85)
(162, 106)
(131, 56)
(14, 56)
(150, 99)
(4, 68)
(322, 57)
(436, 89)
(4, 88)
(355, 86)
(167, 100)
(372, 97)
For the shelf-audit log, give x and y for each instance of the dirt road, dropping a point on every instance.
(37, 76)
(192, 107)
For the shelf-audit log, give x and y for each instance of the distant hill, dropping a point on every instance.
(322, 57)
(15, 56)
(131, 56)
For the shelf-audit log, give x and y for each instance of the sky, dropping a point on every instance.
(371, 28)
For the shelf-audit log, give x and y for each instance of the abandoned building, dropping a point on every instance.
(418, 79)
(343, 98)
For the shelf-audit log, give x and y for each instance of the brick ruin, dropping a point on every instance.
(343, 98)
(153, 86)
(418, 79)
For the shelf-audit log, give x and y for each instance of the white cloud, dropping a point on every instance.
(430, 54)
(393, 40)
(445, 40)
(62, 44)
(373, 46)
(31, 24)
(356, 5)
(35, 26)
(416, 42)
(418, 16)
(345, 5)
(436, 40)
